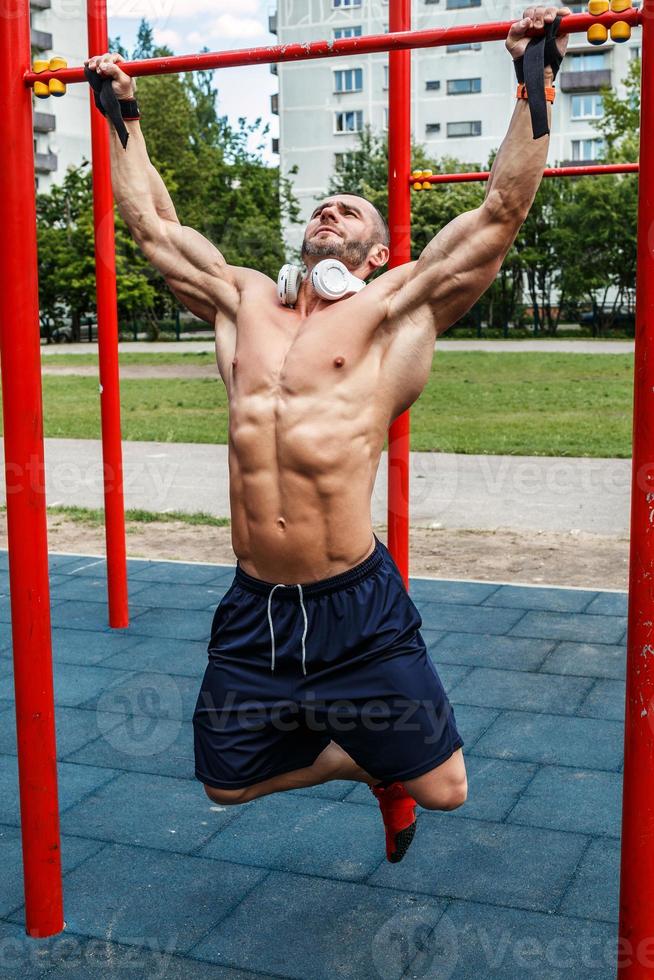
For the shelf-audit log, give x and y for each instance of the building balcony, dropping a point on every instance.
(272, 23)
(44, 122)
(40, 4)
(274, 103)
(585, 81)
(579, 163)
(45, 163)
(41, 40)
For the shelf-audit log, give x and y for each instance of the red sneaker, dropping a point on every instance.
(399, 814)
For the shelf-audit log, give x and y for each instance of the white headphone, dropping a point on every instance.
(330, 278)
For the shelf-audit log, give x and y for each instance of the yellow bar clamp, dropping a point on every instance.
(43, 90)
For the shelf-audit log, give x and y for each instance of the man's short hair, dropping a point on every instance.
(382, 225)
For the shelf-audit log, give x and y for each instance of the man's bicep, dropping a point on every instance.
(455, 268)
(194, 269)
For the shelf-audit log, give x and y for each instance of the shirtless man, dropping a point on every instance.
(317, 633)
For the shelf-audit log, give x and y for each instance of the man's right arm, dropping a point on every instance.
(193, 267)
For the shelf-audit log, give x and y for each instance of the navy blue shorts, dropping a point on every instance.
(292, 668)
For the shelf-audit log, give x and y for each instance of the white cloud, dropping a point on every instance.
(171, 39)
(227, 27)
(154, 10)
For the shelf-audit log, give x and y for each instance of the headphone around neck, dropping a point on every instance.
(330, 278)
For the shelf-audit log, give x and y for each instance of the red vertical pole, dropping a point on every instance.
(636, 928)
(24, 471)
(105, 271)
(399, 220)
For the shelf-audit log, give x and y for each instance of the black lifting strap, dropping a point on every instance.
(106, 101)
(541, 52)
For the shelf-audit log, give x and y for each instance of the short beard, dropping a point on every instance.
(352, 254)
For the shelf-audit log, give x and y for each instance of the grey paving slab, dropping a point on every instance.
(76, 683)
(178, 573)
(459, 858)
(487, 650)
(152, 897)
(174, 624)
(331, 928)
(578, 627)
(85, 615)
(605, 700)
(472, 722)
(312, 837)
(586, 659)
(446, 590)
(75, 782)
(161, 656)
(74, 850)
(588, 743)
(451, 674)
(168, 595)
(486, 943)
(159, 696)
(179, 816)
(577, 800)
(492, 688)
(141, 743)
(609, 604)
(335, 789)
(554, 600)
(594, 892)
(75, 727)
(467, 619)
(86, 588)
(86, 647)
(73, 958)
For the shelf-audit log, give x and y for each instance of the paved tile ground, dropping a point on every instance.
(159, 882)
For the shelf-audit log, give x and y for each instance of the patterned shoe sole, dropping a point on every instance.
(402, 842)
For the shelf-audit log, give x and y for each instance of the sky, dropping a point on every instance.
(187, 26)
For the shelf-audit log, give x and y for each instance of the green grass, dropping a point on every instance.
(89, 516)
(475, 402)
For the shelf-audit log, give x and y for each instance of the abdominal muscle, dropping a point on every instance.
(302, 472)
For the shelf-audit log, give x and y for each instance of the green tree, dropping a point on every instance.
(620, 124)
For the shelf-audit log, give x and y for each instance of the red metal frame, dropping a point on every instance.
(20, 346)
(105, 273)
(399, 221)
(636, 927)
(596, 169)
(370, 44)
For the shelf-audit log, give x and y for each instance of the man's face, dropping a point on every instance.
(341, 227)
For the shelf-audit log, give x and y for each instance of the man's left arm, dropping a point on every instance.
(462, 261)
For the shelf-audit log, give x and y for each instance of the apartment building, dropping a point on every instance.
(62, 129)
(462, 95)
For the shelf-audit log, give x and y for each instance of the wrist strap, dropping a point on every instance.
(550, 92)
(107, 103)
(541, 52)
(129, 109)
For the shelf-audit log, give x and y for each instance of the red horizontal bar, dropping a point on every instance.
(590, 170)
(370, 44)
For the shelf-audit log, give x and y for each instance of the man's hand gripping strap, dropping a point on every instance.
(541, 53)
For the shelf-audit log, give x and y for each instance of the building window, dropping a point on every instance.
(433, 128)
(587, 107)
(343, 32)
(634, 52)
(348, 80)
(348, 122)
(386, 118)
(432, 86)
(463, 86)
(341, 160)
(385, 77)
(587, 149)
(587, 61)
(457, 4)
(453, 48)
(346, 3)
(469, 128)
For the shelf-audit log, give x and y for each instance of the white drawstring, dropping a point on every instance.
(272, 632)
